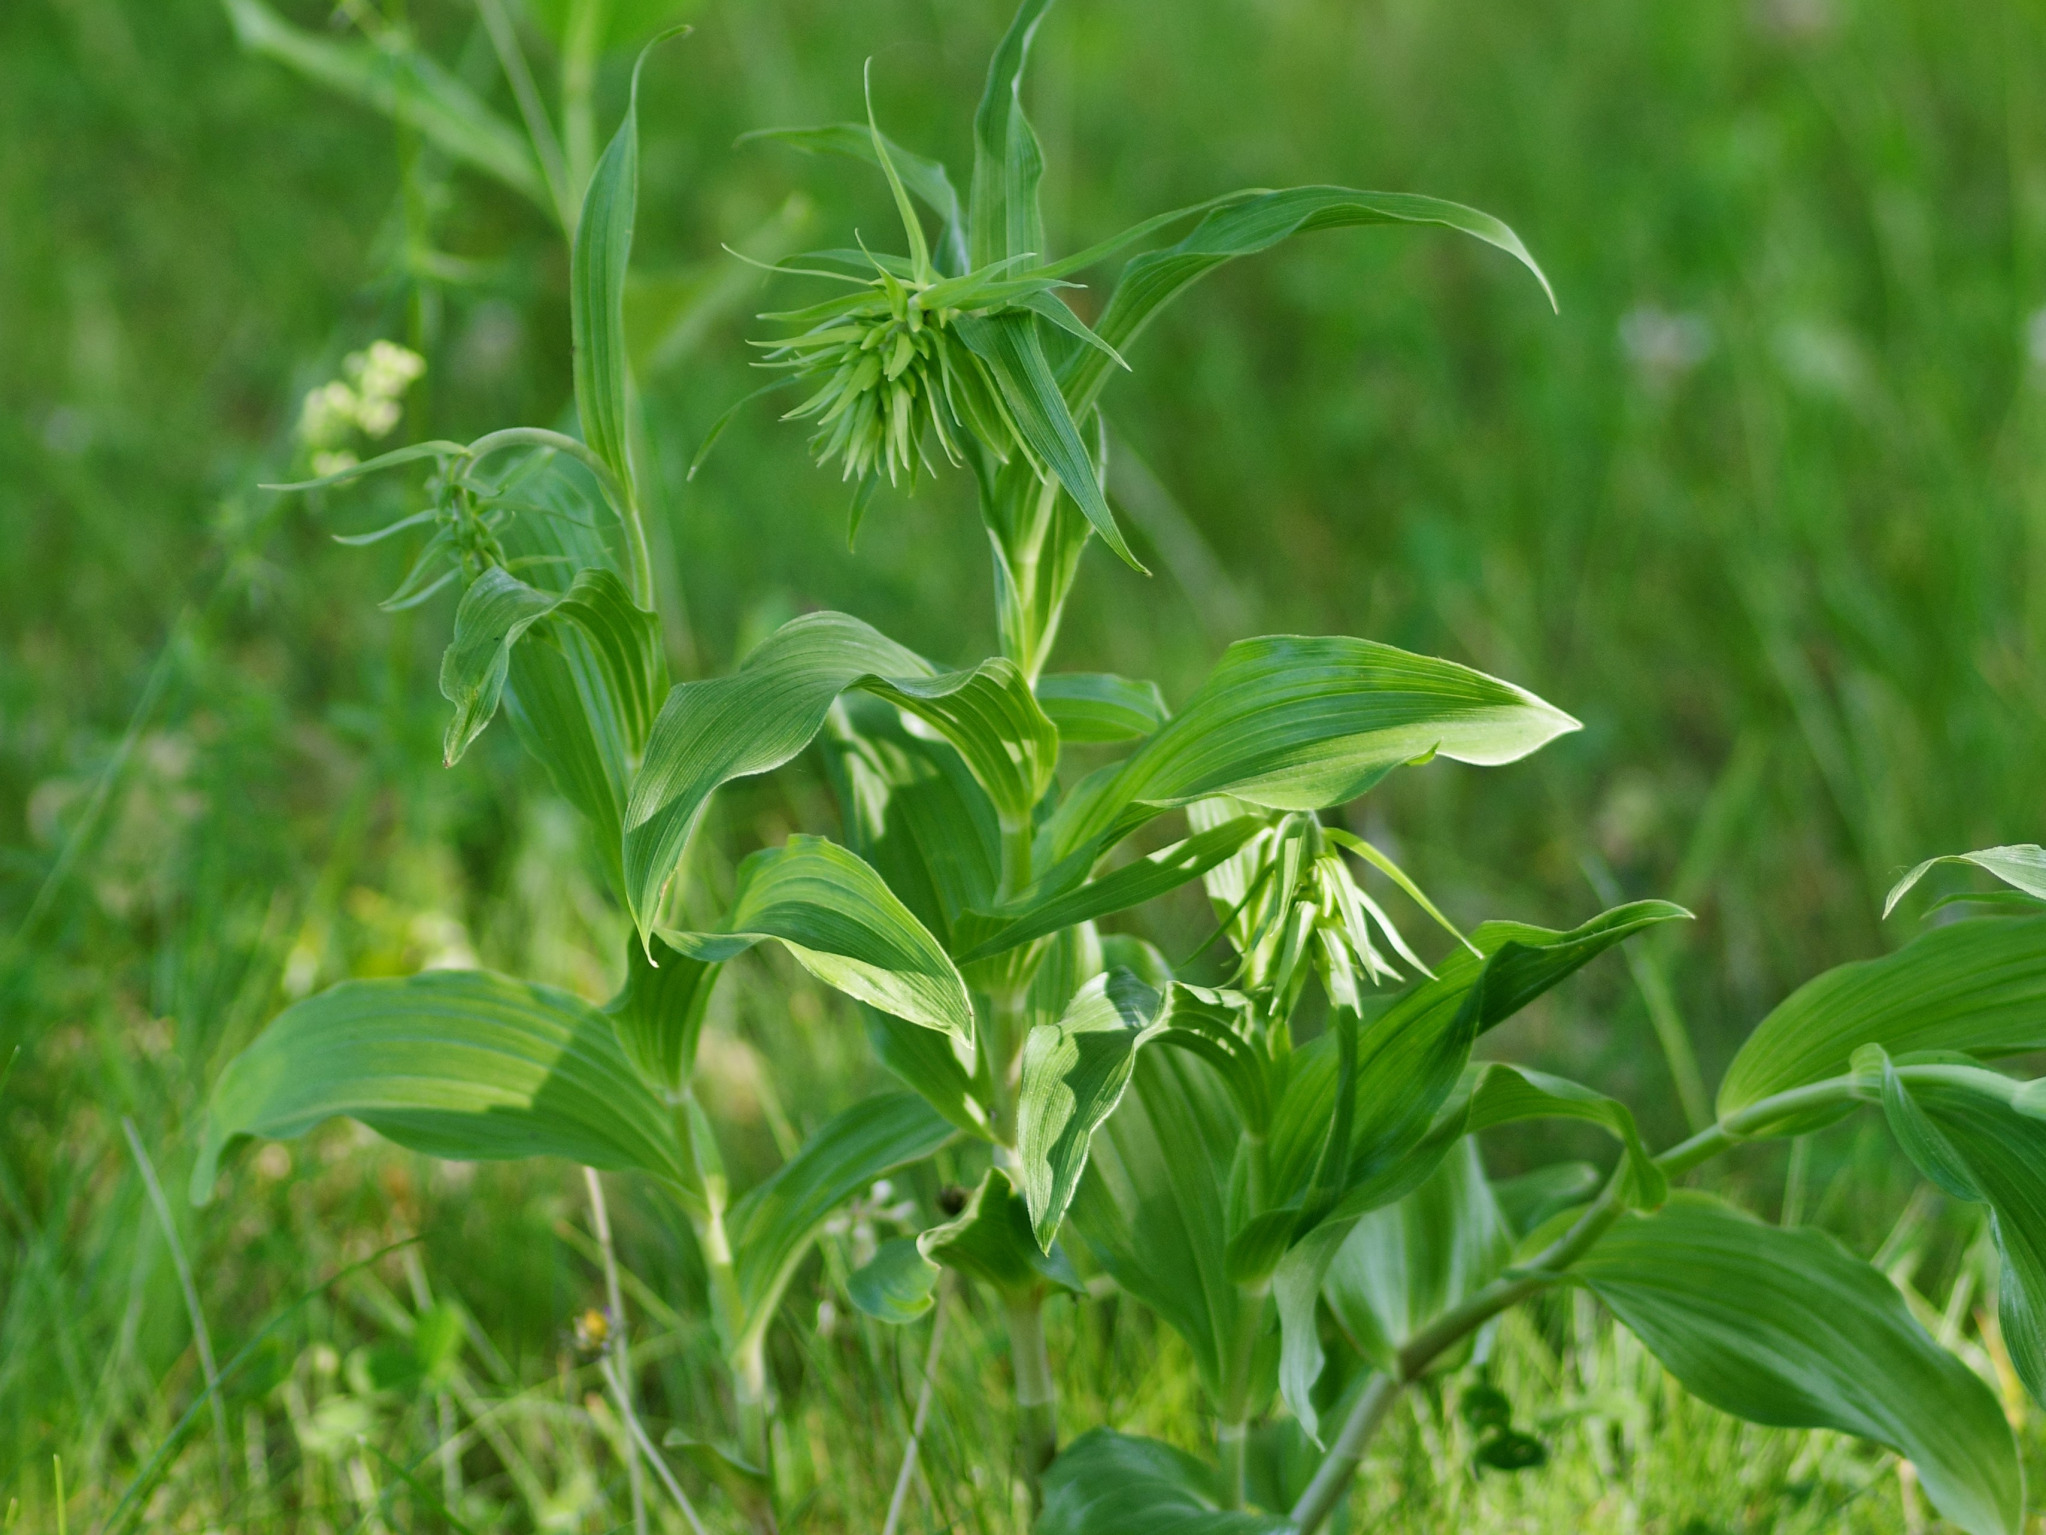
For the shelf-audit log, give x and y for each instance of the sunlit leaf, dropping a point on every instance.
(1787, 1328)
(1507, 1094)
(841, 923)
(2023, 867)
(455, 1063)
(1074, 1073)
(1094, 707)
(1975, 986)
(773, 1224)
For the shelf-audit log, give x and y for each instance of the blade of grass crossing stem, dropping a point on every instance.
(646, 1447)
(202, 1340)
(614, 1297)
(1644, 964)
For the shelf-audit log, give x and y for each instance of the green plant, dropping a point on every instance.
(1233, 1166)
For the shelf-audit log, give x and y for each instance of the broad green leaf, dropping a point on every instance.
(455, 1063)
(1789, 1329)
(1092, 708)
(1980, 1137)
(1106, 1483)
(928, 1062)
(1152, 1204)
(912, 809)
(1074, 1073)
(924, 177)
(496, 613)
(760, 717)
(1003, 217)
(1243, 228)
(1976, 986)
(1506, 1094)
(842, 924)
(1404, 1265)
(991, 1242)
(406, 86)
(1013, 349)
(2023, 867)
(596, 291)
(658, 1013)
(773, 1225)
(1047, 908)
(1295, 723)
(898, 1284)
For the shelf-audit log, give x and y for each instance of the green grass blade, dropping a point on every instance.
(1003, 217)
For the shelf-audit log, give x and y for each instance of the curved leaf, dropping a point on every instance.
(1507, 1094)
(1789, 1329)
(2023, 867)
(596, 290)
(1975, 986)
(1011, 345)
(898, 1284)
(1979, 1136)
(991, 1241)
(1257, 223)
(497, 612)
(842, 924)
(1106, 1483)
(1095, 708)
(925, 177)
(1074, 1073)
(760, 717)
(773, 1224)
(1301, 723)
(658, 1013)
(455, 1063)
(1003, 218)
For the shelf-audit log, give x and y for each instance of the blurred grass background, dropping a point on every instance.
(1763, 506)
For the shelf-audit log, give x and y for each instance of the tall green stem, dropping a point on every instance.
(1339, 1467)
(1037, 1405)
(1232, 1429)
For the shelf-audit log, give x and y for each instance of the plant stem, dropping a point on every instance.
(615, 1299)
(639, 564)
(923, 1412)
(1232, 1430)
(1037, 1420)
(1509, 1289)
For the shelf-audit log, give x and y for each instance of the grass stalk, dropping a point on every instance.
(645, 1445)
(614, 1298)
(907, 1474)
(202, 1340)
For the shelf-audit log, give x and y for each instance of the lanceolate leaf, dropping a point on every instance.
(842, 924)
(1980, 1137)
(1256, 224)
(1040, 911)
(1107, 1483)
(499, 609)
(991, 1242)
(1406, 1264)
(1505, 1094)
(1296, 723)
(658, 1013)
(765, 713)
(1009, 343)
(1093, 707)
(2022, 867)
(1976, 986)
(454, 1063)
(407, 86)
(597, 267)
(1074, 1073)
(773, 1224)
(1003, 218)
(1787, 1328)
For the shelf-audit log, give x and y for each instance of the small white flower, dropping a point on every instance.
(1664, 345)
(328, 415)
(326, 463)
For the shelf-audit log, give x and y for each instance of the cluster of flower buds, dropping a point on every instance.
(364, 399)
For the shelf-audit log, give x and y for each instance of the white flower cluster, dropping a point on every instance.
(365, 399)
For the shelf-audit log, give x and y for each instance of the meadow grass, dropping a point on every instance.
(1762, 506)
